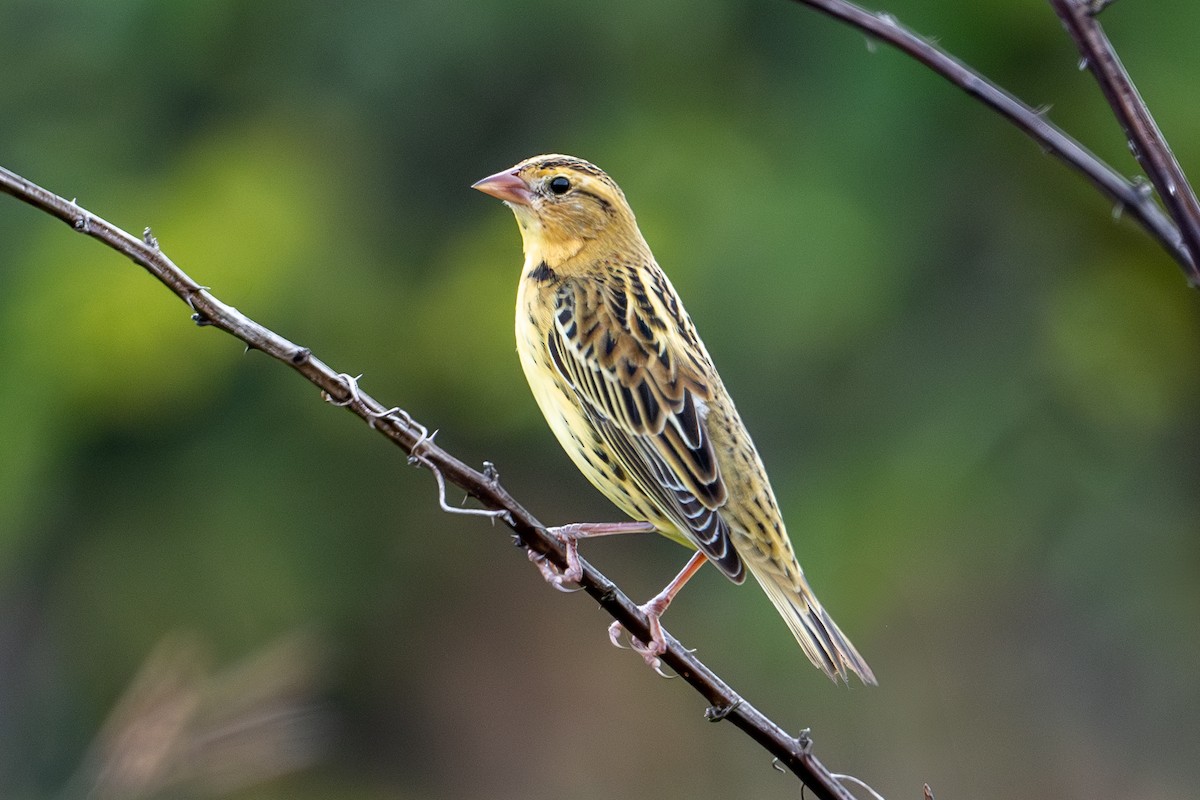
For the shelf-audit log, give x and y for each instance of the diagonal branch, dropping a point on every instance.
(791, 753)
(1051, 138)
(1146, 141)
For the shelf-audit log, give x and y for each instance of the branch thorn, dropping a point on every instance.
(352, 396)
(199, 317)
(718, 713)
(415, 458)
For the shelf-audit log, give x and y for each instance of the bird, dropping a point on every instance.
(630, 392)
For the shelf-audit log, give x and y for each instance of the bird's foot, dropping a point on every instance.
(649, 651)
(654, 609)
(551, 573)
(570, 535)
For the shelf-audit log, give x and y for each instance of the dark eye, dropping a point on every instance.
(559, 185)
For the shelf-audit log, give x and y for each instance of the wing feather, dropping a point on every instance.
(648, 405)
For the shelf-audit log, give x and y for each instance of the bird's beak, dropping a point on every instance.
(506, 186)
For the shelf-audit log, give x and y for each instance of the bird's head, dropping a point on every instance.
(562, 204)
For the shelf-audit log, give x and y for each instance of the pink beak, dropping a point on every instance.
(506, 186)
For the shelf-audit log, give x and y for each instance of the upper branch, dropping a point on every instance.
(1051, 138)
(792, 753)
(1146, 141)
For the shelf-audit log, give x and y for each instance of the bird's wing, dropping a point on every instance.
(640, 375)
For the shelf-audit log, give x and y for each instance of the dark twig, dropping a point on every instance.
(1051, 138)
(1146, 141)
(792, 753)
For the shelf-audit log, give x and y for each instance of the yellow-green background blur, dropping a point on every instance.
(976, 394)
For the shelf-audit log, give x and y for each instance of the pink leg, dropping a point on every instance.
(654, 610)
(570, 535)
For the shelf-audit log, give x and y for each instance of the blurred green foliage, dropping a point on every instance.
(975, 391)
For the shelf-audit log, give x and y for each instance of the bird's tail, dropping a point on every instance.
(823, 642)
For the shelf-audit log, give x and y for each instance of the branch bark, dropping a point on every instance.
(1146, 141)
(792, 753)
(1052, 139)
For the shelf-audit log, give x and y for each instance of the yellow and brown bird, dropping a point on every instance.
(630, 391)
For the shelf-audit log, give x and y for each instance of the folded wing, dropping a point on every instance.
(641, 384)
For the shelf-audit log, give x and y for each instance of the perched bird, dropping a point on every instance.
(632, 395)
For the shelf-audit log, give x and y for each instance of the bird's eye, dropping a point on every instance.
(559, 185)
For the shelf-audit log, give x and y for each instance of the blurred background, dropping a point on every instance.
(974, 385)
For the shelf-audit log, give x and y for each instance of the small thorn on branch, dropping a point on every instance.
(149, 238)
(352, 394)
(415, 458)
(80, 221)
(718, 713)
(199, 317)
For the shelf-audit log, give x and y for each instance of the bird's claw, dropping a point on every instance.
(569, 539)
(551, 573)
(569, 536)
(614, 635)
(649, 652)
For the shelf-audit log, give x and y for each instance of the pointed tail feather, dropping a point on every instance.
(823, 642)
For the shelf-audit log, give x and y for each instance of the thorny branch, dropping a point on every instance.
(793, 753)
(1145, 139)
(1128, 195)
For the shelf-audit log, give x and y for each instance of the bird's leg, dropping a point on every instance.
(654, 609)
(570, 535)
